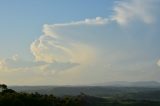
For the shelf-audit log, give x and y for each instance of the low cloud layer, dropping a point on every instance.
(23, 65)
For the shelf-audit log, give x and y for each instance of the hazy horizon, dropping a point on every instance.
(100, 84)
(51, 42)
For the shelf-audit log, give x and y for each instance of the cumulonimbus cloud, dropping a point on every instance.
(53, 48)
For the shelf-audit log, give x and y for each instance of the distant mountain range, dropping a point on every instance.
(130, 84)
(149, 90)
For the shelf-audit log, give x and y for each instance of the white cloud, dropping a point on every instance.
(11, 64)
(87, 21)
(48, 29)
(49, 49)
(130, 10)
(158, 62)
(52, 47)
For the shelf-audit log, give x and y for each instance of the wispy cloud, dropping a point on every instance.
(130, 10)
(158, 62)
(49, 29)
(87, 21)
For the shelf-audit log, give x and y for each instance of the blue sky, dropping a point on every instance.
(52, 42)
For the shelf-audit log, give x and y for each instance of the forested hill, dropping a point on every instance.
(9, 97)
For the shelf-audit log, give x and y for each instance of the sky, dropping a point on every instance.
(79, 42)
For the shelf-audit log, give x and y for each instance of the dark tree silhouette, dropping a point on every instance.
(8, 91)
(3, 86)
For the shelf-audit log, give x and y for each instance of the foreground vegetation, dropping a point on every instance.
(9, 97)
